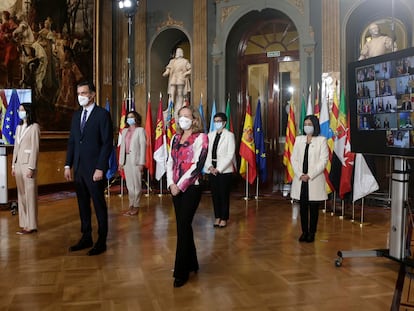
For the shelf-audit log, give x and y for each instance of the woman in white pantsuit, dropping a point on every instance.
(132, 159)
(24, 168)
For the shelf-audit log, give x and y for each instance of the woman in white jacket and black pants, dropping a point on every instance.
(309, 158)
(219, 164)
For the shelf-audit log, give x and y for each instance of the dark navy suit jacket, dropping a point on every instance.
(90, 149)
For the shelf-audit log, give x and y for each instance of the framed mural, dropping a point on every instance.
(47, 46)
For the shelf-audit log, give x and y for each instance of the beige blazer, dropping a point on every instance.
(317, 159)
(136, 149)
(26, 146)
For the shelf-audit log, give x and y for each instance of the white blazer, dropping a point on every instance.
(318, 155)
(136, 149)
(225, 152)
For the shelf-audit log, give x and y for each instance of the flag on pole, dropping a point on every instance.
(260, 144)
(201, 111)
(339, 118)
(333, 118)
(364, 182)
(345, 185)
(160, 146)
(302, 114)
(113, 165)
(327, 132)
(3, 109)
(171, 126)
(229, 124)
(11, 118)
(213, 113)
(121, 127)
(247, 148)
(316, 108)
(309, 108)
(149, 161)
(290, 141)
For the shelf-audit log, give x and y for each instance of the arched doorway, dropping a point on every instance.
(262, 62)
(162, 50)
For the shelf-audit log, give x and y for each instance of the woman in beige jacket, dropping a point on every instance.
(132, 159)
(309, 158)
(24, 168)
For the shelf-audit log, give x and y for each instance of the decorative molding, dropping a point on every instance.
(299, 4)
(170, 22)
(309, 49)
(226, 12)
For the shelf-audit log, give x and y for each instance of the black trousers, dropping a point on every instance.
(87, 189)
(309, 211)
(185, 206)
(220, 186)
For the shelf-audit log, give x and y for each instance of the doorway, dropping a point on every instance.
(269, 67)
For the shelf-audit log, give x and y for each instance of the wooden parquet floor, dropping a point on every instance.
(256, 263)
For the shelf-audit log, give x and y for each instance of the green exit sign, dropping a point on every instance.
(273, 54)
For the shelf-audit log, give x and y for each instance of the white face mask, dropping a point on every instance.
(130, 121)
(83, 100)
(218, 126)
(22, 114)
(185, 123)
(308, 129)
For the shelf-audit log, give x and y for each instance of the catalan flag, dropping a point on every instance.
(247, 148)
(290, 141)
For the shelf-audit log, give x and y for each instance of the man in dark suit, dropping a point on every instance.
(89, 147)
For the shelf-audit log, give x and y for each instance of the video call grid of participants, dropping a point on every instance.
(385, 100)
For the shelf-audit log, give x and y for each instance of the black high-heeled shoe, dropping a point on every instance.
(180, 282)
(303, 237)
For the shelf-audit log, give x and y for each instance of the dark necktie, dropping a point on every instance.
(85, 114)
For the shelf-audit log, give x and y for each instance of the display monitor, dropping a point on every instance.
(381, 104)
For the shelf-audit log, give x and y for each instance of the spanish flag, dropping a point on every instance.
(247, 148)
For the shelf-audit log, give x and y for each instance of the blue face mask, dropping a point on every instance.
(218, 126)
(130, 121)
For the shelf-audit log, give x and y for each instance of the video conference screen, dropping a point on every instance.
(9, 100)
(381, 104)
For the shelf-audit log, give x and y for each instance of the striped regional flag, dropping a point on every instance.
(327, 132)
(160, 146)
(290, 141)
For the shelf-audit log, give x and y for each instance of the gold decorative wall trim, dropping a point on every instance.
(170, 22)
(299, 4)
(227, 11)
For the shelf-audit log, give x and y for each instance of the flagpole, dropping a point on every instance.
(334, 203)
(257, 188)
(148, 185)
(362, 213)
(247, 181)
(160, 194)
(342, 204)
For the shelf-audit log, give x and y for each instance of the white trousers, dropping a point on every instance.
(133, 180)
(26, 197)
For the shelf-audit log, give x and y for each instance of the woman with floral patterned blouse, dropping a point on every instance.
(188, 152)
